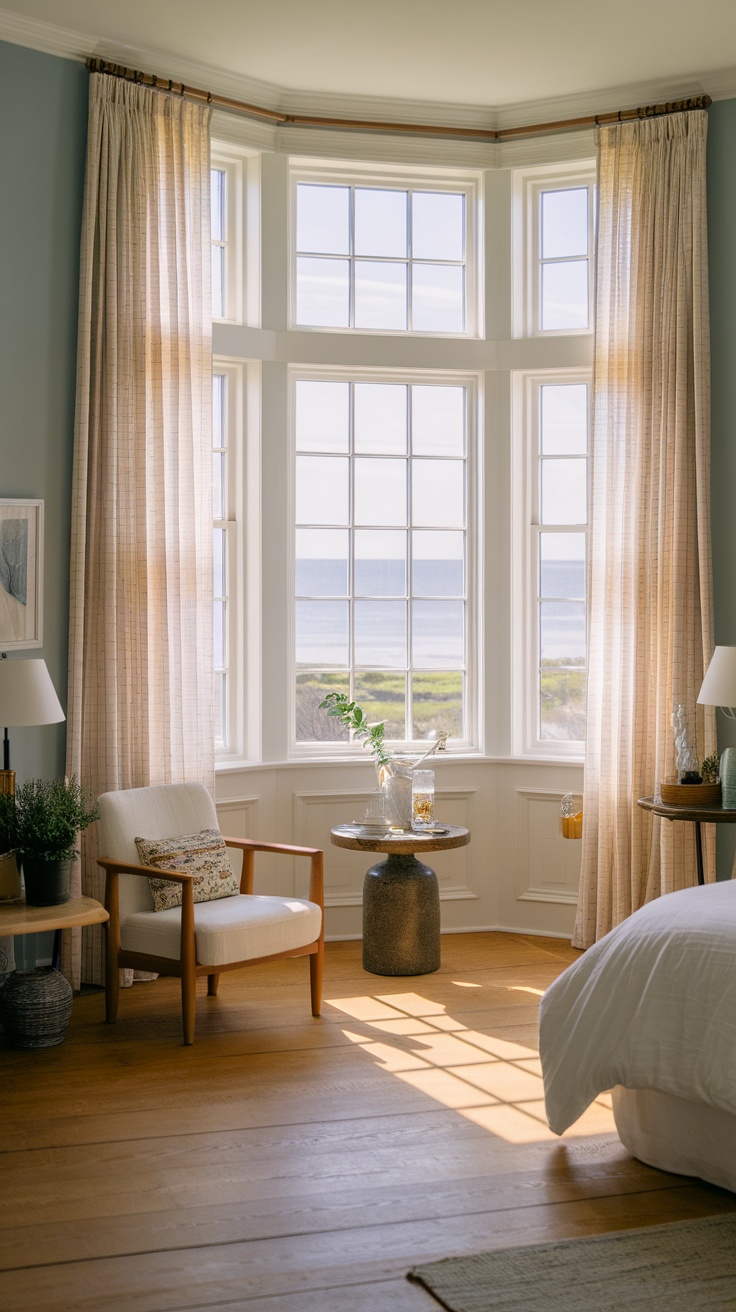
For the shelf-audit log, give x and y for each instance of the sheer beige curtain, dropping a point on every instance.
(140, 707)
(650, 623)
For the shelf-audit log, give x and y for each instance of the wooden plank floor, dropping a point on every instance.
(286, 1164)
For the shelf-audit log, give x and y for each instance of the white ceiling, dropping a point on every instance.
(487, 54)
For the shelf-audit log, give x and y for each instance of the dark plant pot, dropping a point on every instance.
(9, 878)
(47, 882)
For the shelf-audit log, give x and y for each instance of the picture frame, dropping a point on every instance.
(21, 574)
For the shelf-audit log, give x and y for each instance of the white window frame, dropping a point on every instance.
(398, 179)
(242, 516)
(526, 427)
(242, 241)
(528, 186)
(472, 381)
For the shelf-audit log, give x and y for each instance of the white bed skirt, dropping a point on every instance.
(687, 1138)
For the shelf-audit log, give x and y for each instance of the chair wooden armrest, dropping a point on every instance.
(128, 868)
(249, 847)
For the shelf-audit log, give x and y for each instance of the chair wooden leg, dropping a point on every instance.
(188, 1003)
(112, 985)
(316, 963)
(213, 983)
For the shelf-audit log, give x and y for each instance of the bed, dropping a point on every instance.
(650, 1012)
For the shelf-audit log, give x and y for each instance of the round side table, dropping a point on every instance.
(401, 898)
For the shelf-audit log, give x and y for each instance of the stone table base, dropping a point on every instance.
(401, 918)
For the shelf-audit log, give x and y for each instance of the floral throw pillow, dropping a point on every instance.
(203, 855)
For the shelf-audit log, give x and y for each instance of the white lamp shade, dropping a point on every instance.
(27, 695)
(719, 684)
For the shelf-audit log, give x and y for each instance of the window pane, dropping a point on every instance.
(217, 204)
(438, 226)
(437, 703)
(565, 295)
(218, 282)
(380, 222)
(219, 566)
(562, 705)
(220, 709)
(438, 634)
(218, 485)
(564, 419)
(322, 490)
(564, 223)
(562, 632)
(380, 295)
(438, 421)
(380, 633)
(438, 493)
(322, 633)
(380, 491)
(564, 491)
(322, 562)
(438, 564)
(323, 219)
(322, 416)
(218, 615)
(322, 292)
(218, 410)
(312, 724)
(380, 563)
(562, 565)
(380, 417)
(437, 298)
(383, 697)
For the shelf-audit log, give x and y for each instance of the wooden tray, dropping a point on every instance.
(690, 794)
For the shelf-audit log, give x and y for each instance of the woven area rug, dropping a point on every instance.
(686, 1266)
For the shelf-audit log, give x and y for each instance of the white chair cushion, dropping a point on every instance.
(230, 929)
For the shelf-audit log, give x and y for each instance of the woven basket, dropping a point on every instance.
(35, 1006)
(690, 794)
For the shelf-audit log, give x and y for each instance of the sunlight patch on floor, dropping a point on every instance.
(493, 1082)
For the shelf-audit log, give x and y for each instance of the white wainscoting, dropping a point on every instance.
(517, 873)
(547, 865)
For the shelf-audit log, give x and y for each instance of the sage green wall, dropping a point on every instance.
(43, 113)
(722, 257)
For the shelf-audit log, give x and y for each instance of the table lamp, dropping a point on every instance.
(719, 684)
(27, 697)
(719, 689)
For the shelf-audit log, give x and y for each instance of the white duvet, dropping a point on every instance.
(650, 1006)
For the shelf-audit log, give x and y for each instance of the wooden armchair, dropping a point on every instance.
(197, 938)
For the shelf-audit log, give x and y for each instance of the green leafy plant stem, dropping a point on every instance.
(354, 718)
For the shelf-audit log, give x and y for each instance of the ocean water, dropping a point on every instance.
(381, 613)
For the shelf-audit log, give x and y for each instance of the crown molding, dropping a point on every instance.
(720, 84)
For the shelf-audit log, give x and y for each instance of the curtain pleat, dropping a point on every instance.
(140, 708)
(650, 585)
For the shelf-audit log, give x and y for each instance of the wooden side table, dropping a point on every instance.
(401, 898)
(30, 1020)
(699, 815)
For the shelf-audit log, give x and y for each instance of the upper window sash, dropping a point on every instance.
(235, 223)
(403, 248)
(554, 217)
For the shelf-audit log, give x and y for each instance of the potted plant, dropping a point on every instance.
(9, 876)
(49, 814)
(394, 772)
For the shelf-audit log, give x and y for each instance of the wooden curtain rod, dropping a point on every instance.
(371, 125)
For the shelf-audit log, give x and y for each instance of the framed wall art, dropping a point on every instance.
(21, 574)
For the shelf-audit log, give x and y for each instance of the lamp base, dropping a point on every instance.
(7, 782)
